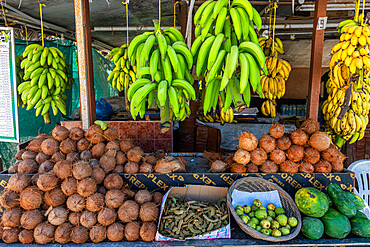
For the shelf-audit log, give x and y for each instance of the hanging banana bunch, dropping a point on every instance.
(267, 43)
(347, 107)
(226, 42)
(163, 62)
(46, 77)
(123, 74)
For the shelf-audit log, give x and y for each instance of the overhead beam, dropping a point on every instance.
(85, 62)
(316, 59)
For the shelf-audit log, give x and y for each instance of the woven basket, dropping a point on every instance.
(250, 184)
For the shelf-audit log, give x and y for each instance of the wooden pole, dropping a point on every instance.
(85, 63)
(316, 59)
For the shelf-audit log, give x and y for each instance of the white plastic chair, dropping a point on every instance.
(361, 168)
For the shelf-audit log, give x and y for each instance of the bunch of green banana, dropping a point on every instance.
(45, 80)
(267, 43)
(19, 76)
(268, 108)
(163, 61)
(123, 74)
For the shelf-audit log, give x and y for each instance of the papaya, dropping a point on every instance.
(360, 215)
(356, 200)
(336, 225)
(341, 200)
(361, 227)
(312, 228)
(312, 202)
(329, 200)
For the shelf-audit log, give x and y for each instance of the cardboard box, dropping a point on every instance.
(200, 193)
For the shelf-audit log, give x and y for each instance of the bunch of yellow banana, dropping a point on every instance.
(267, 43)
(268, 108)
(123, 74)
(209, 119)
(227, 116)
(45, 80)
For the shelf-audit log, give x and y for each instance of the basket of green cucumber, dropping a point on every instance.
(264, 210)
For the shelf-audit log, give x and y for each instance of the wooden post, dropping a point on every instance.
(85, 63)
(316, 60)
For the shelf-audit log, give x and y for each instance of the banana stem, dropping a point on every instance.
(157, 25)
(357, 10)
(165, 118)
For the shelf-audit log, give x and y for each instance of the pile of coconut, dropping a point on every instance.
(305, 150)
(75, 194)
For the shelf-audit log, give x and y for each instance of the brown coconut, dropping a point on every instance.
(81, 170)
(118, 169)
(18, 182)
(88, 219)
(60, 133)
(258, 156)
(10, 235)
(86, 155)
(14, 169)
(170, 164)
(278, 156)
(69, 186)
(267, 143)
(18, 155)
(125, 145)
(148, 231)
(121, 158)
(143, 196)
(76, 203)
(113, 181)
(47, 181)
(111, 134)
(95, 202)
(306, 167)
(63, 233)
(26, 236)
(28, 166)
(98, 150)
(31, 218)
(238, 168)
(67, 146)
(129, 211)
(115, 232)
(242, 156)
(283, 143)
(98, 233)
(323, 166)
(50, 146)
(114, 198)
(98, 174)
(107, 163)
(289, 167)
(149, 212)
(74, 218)
(310, 126)
(332, 154)
(58, 216)
(276, 131)
(320, 141)
(94, 134)
(11, 217)
(63, 169)
(41, 158)
(157, 197)
(29, 155)
(311, 155)
(295, 153)
(31, 198)
(35, 144)
(79, 235)
(337, 166)
(219, 166)
(83, 145)
(107, 216)
(9, 199)
(112, 145)
(150, 159)
(269, 167)
(248, 141)
(76, 133)
(44, 233)
(86, 187)
(299, 137)
(132, 231)
(73, 157)
(135, 154)
(252, 168)
(54, 197)
(131, 167)
(58, 156)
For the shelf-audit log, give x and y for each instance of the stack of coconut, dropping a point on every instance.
(305, 150)
(73, 196)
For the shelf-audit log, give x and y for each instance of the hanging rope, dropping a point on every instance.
(159, 14)
(2, 8)
(273, 29)
(126, 4)
(363, 12)
(25, 28)
(174, 13)
(42, 25)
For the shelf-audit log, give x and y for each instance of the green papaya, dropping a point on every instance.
(341, 201)
(336, 225)
(311, 201)
(356, 200)
(312, 228)
(360, 215)
(329, 200)
(361, 227)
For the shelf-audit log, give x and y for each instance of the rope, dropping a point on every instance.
(174, 13)
(159, 10)
(2, 8)
(25, 28)
(126, 4)
(363, 12)
(42, 25)
(273, 29)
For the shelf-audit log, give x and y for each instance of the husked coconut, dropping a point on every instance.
(86, 155)
(115, 232)
(218, 166)
(9, 199)
(47, 181)
(11, 217)
(98, 174)
(98, 150)
(18, 155)
(113, 181)
(114, 198)
(269, 167)
(41, 158)
(95, 202)
(81, 170)
(323, 166)
(18, 182)
(29, 155)
(149, 212)
(299, 137)
(67, 146)
(10, 235)
(258, 156)
(50, 146)
(148, 231)
(143, 196)
(238, 168)
(107, 163)
(306, 167)
(157, 197)
(74, 218)
(252, 168)
(76, 203)
(88, 219)
(98, 233)
(131, 167)
(73, 157)
(135, 154)
(69, 186)
(125, 145)
(276, 131)
(31, 198)
(31, 218)
(26, 236)
(63, 233)
(107, 216)
(267, 143)
(76, 133)
(60, 133)
(28, 166)
(132, 231)
(35, 144)
(63, 169)
(283, 143)
(289, 167)
(57, 156)
(94, 134)
(129, 211)
(83, 145)
(295, 153)
(242, 156)
(86, 187)
(54, 197)
(79, 235)
(46, 166)
(110, 134)
(58, 216)
(278, 156)
(44, 233)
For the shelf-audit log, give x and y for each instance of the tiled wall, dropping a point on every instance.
(144, 134)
